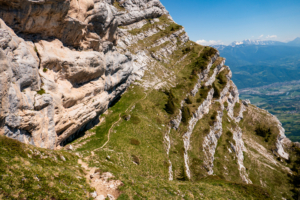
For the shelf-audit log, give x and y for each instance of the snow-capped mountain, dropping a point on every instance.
(295, 42)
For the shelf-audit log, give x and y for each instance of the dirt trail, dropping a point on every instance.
(102, 182)
(112, 126)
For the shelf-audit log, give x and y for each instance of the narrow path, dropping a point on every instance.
(112, 126)
(104, 183)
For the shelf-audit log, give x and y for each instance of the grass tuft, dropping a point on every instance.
(41, 91)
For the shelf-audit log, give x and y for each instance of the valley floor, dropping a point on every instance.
(282, 100)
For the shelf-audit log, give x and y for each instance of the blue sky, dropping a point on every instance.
(225, 21)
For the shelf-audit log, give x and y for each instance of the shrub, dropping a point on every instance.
(209, 52)
(229, 134)
(201, 62)
(189, 100)
(217, 92)
(45, 70)
(222, 79)
(236, 109)
(213, 118)
(226, 104)
(203, 92)
(134, 142)
(170, 106)
(135, 119)
(126, 117)
(263, 132)
(206, 131)
(41, 91)
(185, 114)
(186, 50)
(220, 83)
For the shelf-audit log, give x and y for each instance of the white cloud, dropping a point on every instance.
(210, 42)
(271, 36)
(261, 36)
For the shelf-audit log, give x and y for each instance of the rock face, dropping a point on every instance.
(66, 70)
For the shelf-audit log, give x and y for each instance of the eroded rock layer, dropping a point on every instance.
(60, 67)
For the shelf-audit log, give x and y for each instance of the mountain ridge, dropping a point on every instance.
(246, 42)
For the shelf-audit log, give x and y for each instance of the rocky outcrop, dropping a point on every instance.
(80, 24)
(139, 10)
(238, 147)
(203, 76)
(202, 109)
(210, 143)
(281, 139)
(68, 70)
(24, 114)
(167, 141)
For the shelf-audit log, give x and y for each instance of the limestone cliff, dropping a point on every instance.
(63, 69)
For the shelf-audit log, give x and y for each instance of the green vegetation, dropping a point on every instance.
(220, 83)
(200, 62)
(294, 160)
(186, 114)
(213, 118)
(182, 176)
(118, 6)
(45, 70)
(189, 100)
(154, 49)
(226, 104)
(236, 109)
(263, 132)
(203, 92)
(134, 141)
(170, 106)
(41, 91)
(33, 173)
(163, 20)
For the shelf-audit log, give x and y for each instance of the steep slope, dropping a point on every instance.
(179, 130)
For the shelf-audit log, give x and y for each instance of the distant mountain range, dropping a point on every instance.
(295, 42)
(256, 63)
